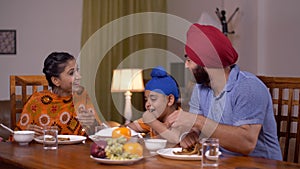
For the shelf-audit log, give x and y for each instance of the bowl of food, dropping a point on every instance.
(23, 137)
(155, 144)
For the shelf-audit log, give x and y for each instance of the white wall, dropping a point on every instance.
(42, 26)
(267, 32)
(279, 29)
(244, 23)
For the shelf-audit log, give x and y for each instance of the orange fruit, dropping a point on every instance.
(133, 148)
(121, 131)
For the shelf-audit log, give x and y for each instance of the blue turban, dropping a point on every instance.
(162, 83)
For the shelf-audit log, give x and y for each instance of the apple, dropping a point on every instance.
(98, 149)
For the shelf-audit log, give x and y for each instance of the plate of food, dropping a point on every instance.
(110, 161)
(116, 151)
(64, 139)
(178, 154)
(193, 153)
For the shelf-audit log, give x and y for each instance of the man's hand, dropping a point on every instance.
(189, 139)
(171, 118)
(185, 121)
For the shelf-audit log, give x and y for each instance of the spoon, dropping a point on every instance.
(7, 128)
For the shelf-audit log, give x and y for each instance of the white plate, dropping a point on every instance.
(74, 139)
(97, 137)
(168, 153)
(108, 161)
(108, 132)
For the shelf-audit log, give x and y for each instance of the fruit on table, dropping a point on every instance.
(115, 149)
(133, 148)
(121, 131)
(98, 149)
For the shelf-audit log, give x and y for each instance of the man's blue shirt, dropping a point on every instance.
(244, 100)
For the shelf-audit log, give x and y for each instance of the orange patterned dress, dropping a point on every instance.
(47, 109)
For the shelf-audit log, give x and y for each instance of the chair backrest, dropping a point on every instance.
(285, 92)
(21, 88)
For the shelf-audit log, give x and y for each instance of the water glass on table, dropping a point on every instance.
(210, 152)
(50, 141)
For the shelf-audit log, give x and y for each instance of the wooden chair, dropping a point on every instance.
(21, 88)
(285, 92)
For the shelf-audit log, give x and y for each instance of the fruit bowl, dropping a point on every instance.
(155, 144)
(23, 137)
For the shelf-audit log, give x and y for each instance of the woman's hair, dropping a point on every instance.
(55, 64)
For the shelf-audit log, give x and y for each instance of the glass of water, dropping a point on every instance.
(50, 138)
(210, 152)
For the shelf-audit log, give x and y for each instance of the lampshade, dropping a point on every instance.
(127, 80)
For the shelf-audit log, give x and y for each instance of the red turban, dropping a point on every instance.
(209, 47)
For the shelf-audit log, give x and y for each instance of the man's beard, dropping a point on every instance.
(201, 76)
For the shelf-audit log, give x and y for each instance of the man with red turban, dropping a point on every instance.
(231, 105)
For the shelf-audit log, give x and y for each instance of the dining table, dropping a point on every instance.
(73, 156)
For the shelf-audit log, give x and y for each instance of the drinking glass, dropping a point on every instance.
(210, 152)
(50, 138)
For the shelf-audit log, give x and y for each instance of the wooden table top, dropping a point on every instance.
(74, 156)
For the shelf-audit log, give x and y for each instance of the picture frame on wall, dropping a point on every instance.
(8, 42)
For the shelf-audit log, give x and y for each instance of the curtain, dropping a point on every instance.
(119, 34)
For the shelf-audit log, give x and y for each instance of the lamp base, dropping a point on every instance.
(127, 109)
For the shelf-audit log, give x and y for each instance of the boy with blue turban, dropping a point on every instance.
(161, 93)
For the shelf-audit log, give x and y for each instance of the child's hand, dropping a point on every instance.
(149, 117)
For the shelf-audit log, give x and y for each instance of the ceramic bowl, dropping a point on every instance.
(155, 144)
(214, 157)
(23, 137)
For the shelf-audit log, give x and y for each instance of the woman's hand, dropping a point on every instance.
(37, 129)
(86, 117)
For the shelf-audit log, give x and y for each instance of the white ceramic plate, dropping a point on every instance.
(168, 153)
(97, 137)
(74, 139)
(108, 161)
(108, 132)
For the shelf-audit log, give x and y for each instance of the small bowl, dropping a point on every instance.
(23, 137)
(155, 144)
(214, 157)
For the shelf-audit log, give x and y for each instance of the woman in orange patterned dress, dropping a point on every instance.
(55, 107)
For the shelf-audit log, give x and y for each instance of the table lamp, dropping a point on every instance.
(127, 80)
